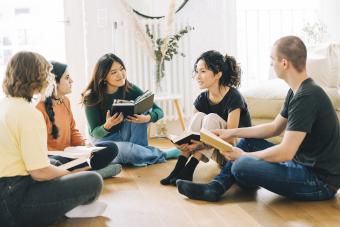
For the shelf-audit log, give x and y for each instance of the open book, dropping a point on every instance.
(184, 138)
(79, 154)
(140, 105)
(214, 141)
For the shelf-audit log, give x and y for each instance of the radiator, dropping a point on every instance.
(141, 68)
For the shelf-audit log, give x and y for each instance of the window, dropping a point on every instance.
(260, 23)
(31, 25)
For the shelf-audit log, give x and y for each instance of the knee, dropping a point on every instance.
(96, 181)
(199, 115)
(90, 180)
(110, 146)
(243, 166)
(113, 148)
(211, 120)
(211, 116)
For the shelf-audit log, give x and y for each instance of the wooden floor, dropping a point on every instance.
(136, 198)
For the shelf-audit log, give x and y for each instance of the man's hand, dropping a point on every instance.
(234, 154)
(224, 134)
(139, 118)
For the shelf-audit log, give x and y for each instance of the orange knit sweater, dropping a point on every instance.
(69, 135)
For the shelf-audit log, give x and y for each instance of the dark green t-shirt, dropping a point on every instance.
(96, 115)
(311, 111)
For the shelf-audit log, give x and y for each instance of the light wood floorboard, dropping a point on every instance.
(136, 198)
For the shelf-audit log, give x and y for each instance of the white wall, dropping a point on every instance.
(75, 56)
(89, 35)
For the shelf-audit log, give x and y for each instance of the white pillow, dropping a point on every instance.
(323, 64)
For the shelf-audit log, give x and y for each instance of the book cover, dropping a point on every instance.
(69, 165)
(140, 105)
(214, 141)
(185, 138)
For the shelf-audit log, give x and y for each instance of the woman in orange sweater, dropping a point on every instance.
(61, 126)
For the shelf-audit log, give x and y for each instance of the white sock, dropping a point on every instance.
(91, 210)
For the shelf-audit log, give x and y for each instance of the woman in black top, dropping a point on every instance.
(220, 106)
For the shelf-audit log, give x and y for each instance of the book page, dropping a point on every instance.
(146, 94)
(81, 149)
(76, 152)
(122, 101)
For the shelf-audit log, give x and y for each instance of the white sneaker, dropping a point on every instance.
(91, 210)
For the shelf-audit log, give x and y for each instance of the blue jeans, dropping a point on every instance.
(133, 147)
(26, 202)
(289, 179)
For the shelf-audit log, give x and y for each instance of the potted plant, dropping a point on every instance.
(164, 50)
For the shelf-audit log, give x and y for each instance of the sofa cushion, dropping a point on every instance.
(266, 99)
(323, 64)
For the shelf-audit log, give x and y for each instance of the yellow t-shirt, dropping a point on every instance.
(23, 138)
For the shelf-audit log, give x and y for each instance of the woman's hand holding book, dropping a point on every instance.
(113, 120)
(139, 118)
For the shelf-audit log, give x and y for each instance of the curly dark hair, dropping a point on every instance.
(94, 92)
(26, 72)
(216, 62)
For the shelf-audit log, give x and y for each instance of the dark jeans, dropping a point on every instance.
(289, 179)
(59, 160)
(26, 202)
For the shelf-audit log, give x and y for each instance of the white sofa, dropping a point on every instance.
(323, 65)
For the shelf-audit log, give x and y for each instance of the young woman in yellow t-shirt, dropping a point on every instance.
(33, 192)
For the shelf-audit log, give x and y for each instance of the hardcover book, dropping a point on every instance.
(215, 141)
(140, 105)
(185, 138)
(95, 157)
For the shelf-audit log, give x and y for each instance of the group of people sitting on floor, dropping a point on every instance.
(35, 190)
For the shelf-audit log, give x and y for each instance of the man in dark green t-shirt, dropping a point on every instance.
(306, 164)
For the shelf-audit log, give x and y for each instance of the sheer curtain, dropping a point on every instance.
(260, 23)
